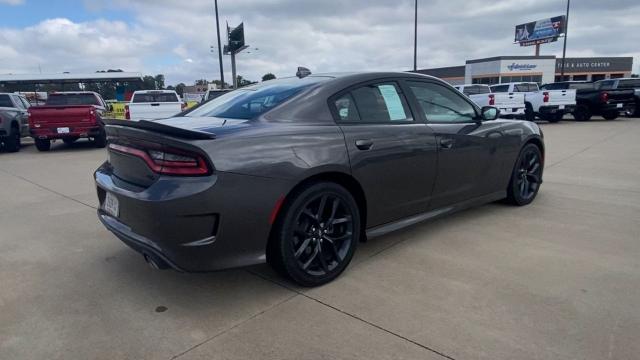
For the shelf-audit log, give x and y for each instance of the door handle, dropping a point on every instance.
(364, 144)
(446, 143)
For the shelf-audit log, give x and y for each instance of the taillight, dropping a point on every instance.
(545, 97)
(127, 114)
(164, 160)
(183, 106)
(604, 96)
(492, 99)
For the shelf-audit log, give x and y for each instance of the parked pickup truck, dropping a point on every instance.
(68, 116)
(597, 99)
(621, 84)
(510, 104)
(548, 105)
(14, 120)
(153, 104)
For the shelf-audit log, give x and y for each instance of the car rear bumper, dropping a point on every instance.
(555, 109)
(620, 107)
(511, 111)
(74, 132)
(193, 224)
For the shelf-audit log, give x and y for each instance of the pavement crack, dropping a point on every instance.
(353, 316)
(235, 326)
(48, 189)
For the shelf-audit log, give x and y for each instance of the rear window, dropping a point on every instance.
(475, 90)
(72, 99)
(215, 94)
(154, 98)
(500, 88)
(629, 84)
(252, 101)
(525, 87)
(579, 86)
(5, 101)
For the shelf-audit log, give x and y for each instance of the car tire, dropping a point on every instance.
(526, 176)
(43, 144)
(70, 140)
(582, 113)
(529, 115)
(611, 115)
(100, 140)
(316, 234)
(555, 118)
(12, 141)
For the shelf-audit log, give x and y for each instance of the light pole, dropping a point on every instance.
(219, 46)
(415, 37)
(564, 47)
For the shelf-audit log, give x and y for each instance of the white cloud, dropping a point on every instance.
(12, 2)
(174, 38)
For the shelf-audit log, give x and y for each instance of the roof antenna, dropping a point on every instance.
(303, 72)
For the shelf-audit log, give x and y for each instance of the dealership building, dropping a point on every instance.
(540, 69)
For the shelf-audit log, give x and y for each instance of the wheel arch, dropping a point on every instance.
(343, 179)
(537, 142)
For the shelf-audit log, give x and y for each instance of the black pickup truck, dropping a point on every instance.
(625, 84)
(597, 98)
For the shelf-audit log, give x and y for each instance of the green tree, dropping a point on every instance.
(180, 88)
(243, 82)
(268, 76)
(159, 81)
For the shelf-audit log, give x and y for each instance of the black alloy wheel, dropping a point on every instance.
(318, 235)
(526, 177)
(610, 115)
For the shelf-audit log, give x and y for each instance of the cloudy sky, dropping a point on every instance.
(174, 37)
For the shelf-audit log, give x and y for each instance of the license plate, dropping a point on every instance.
(561, 107)
(619, 106)
(63, 130)
(111, 205)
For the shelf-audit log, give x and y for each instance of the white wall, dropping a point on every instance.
(480, 69)
(523, 67)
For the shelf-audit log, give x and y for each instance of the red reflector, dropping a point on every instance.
(604, 96)
(545, 97)
(492, 99)
(127, 114)
(276, 210)
(166, 161)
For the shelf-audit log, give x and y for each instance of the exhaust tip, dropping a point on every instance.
(155, 262)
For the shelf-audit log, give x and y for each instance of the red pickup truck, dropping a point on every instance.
(68, 116)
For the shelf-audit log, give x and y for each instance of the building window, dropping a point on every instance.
(616, 76)
(485, 80)
(579, 77)
(562, 78)
(596, 77)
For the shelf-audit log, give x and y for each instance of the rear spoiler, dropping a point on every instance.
(161, 128)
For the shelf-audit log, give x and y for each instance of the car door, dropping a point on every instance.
(392, 153)
(469, 159)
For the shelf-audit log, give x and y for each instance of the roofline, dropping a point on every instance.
(69, 77)
(517, 57)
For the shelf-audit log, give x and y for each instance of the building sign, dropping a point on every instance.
(577, 65)
(521, 67)
(540, 32)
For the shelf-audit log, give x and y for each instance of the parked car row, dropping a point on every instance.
(551, 102)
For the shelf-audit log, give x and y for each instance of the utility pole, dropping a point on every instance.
(415, 38)
(564, 47)
(219, 47)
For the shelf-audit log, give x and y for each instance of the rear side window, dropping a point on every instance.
(73, 99)
(605, 85)
(154, 98)
(500, 88)
(5, 101)
(579, 86)
(629, 84)
(475, 90)
(374, 103)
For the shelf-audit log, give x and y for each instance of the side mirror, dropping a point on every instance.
(490, 113)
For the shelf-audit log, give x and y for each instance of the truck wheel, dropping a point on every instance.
(610, 115)
(100, 140)
(12, 142)
(555, 118)
(43, 144)
(582, 113)
(529, 115)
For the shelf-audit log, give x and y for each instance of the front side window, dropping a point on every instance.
(5, 101)
(441, 104)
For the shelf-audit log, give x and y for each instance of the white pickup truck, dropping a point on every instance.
(153, 104)
(510, 104)
(550, 105)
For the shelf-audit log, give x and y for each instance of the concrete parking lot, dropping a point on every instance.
(559, 279)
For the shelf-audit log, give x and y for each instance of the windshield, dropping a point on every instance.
(72, 99)
(252, 101)
(154, 98)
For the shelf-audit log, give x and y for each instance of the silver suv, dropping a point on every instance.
(14, 120)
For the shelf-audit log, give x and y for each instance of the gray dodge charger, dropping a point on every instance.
(297, 171)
